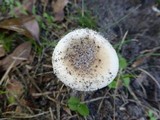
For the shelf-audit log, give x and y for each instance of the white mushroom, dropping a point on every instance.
(85, 61)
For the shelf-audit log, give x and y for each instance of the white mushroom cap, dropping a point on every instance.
(84, 60)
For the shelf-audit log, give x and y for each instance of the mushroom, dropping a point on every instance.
(85, 61)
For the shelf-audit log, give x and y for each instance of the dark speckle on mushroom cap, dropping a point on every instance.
(81, 55)
(84, 60)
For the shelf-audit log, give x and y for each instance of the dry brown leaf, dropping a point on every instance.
(19, 108)
(14, 88)
(2, 51)
(33, 27)
(147, 54)
(58, 9)
(27, 5)
(26, 25)
(67, 110)
(20, 54)
(139, 61)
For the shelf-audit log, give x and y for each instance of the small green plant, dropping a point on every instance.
(41, 22)
(75, 105)
(2, 92)
(122, 62)
(125, 81)
(151, 115)
(49, 18)
(86, 20)
(158, 2)
(49, 43)
(45, 43)
(47, 22)
(10, 5)
(7, 42)
(11, 99)
(7, 5)
(124, 77)
(112, 85)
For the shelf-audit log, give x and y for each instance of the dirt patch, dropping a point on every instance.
(137, 17)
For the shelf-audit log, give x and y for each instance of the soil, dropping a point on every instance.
(142, 24)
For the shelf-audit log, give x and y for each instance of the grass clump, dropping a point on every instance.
(86, 20)
(7, 42)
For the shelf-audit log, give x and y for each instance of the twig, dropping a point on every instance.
(10, 67)
(59, 91)
(100, 105)
(94, 99)
(58, 111)
(51, 113)
(124, 17)
(115, 92)
(123, 39)
(134, 96)
(25, 115)
(153, 78)
(7, 72)
(46, 93)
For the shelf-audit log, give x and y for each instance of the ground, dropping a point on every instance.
(132, 27)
